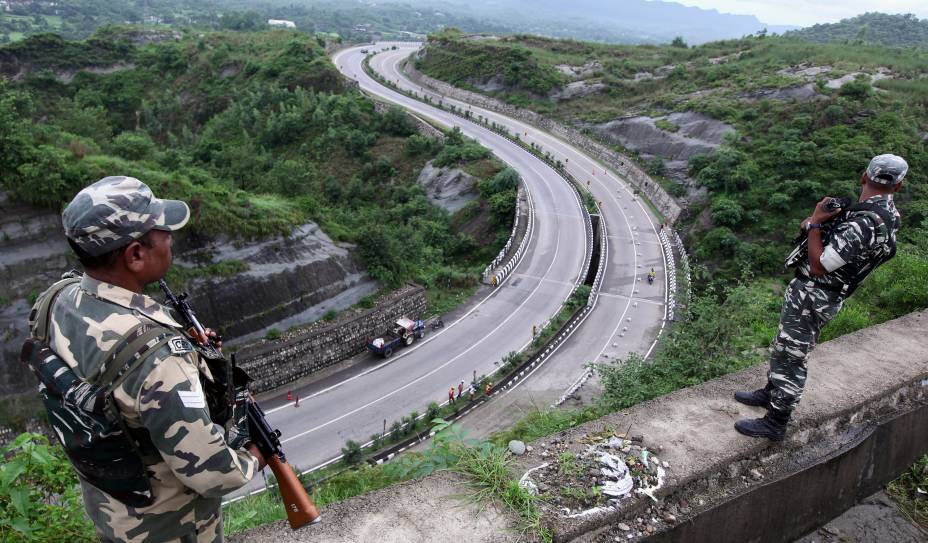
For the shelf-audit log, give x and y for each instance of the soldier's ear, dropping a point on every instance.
(134, 257)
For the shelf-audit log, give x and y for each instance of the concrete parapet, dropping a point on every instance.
(511, 253)
(860, 424)
(859, 384)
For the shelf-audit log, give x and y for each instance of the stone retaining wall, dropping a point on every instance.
(277, 363)
(620, 163)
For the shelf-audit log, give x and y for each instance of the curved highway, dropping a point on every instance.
(355, 408)
(629, 313)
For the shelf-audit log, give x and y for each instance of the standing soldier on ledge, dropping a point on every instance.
(838, 260)
(169, 402)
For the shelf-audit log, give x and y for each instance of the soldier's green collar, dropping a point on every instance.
(141, 303)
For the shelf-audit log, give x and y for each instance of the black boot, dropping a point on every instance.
(772, 426)
(758, 398)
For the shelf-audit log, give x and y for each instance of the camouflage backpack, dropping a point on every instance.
(82, 412)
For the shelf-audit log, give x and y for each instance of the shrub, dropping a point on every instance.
(352, 453)
(133, 146)
(39, 497)
(726, 212)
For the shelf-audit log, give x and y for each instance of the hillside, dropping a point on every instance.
(254, 129)
(872, 28)
(638, 21)
(629, 21)
(750, 134)
(352, 20)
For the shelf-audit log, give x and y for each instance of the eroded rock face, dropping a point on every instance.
(697, 134)
(576, 90)
(289, 280)
(802, 93)
(448, 188)
(586, 70)
(494, 84)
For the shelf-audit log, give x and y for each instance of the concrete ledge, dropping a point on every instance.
(860, 424)
(431, 509)
(856, 383)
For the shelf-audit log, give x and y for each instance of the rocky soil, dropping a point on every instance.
(609, 469)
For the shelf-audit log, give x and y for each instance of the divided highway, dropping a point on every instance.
(628, 316)
(629, 313)
(355, 408)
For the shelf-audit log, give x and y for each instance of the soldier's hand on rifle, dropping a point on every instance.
(821, 214)
(239, 434)
(256, 452)
(214, 338)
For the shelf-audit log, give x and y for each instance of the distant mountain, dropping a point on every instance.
(629, 21)
(879, 28)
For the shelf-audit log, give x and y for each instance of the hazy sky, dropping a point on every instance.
(809, 12)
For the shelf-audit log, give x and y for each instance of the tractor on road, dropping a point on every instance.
(404, 332)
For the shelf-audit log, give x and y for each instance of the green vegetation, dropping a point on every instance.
(256, 133)
(466, 66)
(763, 180)
(37, 484)
(353, 20)
(909, 491)
(875, 28)
(487, 466)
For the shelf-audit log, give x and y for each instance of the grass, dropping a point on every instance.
(489, 468)
(909, 491)
(441, 300)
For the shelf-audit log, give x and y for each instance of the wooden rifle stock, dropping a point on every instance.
(300, 509)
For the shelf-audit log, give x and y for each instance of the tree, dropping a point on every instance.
(678, 42)
(726, 212)
(397, 123)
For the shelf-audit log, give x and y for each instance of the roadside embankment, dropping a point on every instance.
(624, 165)
(860, 424)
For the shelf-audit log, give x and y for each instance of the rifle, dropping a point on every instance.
(300, 509)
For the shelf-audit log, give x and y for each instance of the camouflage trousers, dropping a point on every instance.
(806, 310)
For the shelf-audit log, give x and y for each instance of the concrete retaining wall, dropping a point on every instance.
(620, 163)
(276, 363)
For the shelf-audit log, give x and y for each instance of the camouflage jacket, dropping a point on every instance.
(164, 397)
(853, 248)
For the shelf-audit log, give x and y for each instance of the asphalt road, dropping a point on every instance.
(629, 313)
(355, 408)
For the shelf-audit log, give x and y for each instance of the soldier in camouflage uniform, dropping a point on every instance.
(835, 266)
(122, 235)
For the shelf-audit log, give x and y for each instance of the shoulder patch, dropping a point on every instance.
(180, 345)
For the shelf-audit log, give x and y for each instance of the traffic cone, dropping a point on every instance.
(289, 396)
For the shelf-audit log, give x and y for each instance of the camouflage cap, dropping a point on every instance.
(117, 210)
(887, 169)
